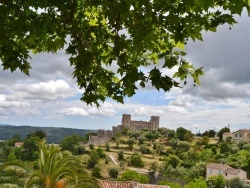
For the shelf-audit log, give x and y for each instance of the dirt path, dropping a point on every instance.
(113, 159)
(140, 170)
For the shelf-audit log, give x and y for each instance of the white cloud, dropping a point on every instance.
(59, 116)
(175, 92)
(75, 111)
(195, 125)
(148, 111)
(105, 110)
(175, 109)
(5, 103)
(181, 101)
(51, 90)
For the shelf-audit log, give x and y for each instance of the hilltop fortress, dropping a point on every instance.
(153, 124)
(106, 135)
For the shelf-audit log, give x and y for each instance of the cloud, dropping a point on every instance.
(175, 109)
(75, 111)
(51, 90)
(147, 111)
(105, 110)
(225, 57)
(5, 103)
(195, 125)
(182, 101)
(50, 117)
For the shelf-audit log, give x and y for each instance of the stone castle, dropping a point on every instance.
(153, 124)
(106, 135)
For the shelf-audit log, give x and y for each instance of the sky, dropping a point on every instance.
(49, 97)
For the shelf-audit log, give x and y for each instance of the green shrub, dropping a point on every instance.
(96, 172)
(135, 160)
(113, 172)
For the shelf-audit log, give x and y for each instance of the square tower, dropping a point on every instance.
(154, 121)
(126, 120)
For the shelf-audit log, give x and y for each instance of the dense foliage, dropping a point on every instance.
(54, 169)
(129, 175)
(134, 35)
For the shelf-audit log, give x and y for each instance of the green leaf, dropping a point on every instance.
(88, 14)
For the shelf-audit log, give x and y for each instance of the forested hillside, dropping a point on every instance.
(176, 158)
(53, 134)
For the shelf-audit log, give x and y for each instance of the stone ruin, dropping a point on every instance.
(102, 137)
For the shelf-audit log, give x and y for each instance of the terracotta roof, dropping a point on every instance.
(242, 130)
(232, 171)
(117, 184)
(128, 184)
(217, 166)
(152, 186)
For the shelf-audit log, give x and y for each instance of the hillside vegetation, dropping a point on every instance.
(168, 157)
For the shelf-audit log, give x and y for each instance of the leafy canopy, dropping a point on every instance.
(134, 35)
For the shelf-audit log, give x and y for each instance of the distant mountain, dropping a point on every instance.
(6, 125)
(54, 134)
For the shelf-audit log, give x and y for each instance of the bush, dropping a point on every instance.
(107, 160)
(81, 150)
(129, 175)
(120, 155)
(93, 159)
(145, 150)
(91, 146)
(113, 172)
(96, 172)
(101, 153)
(107, 146)
(135, 160)
(236, 183)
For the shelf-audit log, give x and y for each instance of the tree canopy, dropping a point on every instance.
(143, 38)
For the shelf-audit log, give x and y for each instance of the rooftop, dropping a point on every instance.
(128, 184)
(232, 171)
(242, 130)
(218, 166)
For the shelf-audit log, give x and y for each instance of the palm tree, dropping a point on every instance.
(55, 170)
(13, 174)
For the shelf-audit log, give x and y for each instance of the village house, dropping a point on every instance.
(214, 169)
(18, 144)
(241, 135)
(225, 135)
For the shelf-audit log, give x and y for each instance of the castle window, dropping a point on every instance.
(240, 135)
(235, 135)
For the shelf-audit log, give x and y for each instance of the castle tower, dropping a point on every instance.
(154, 122)
(126, 120)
